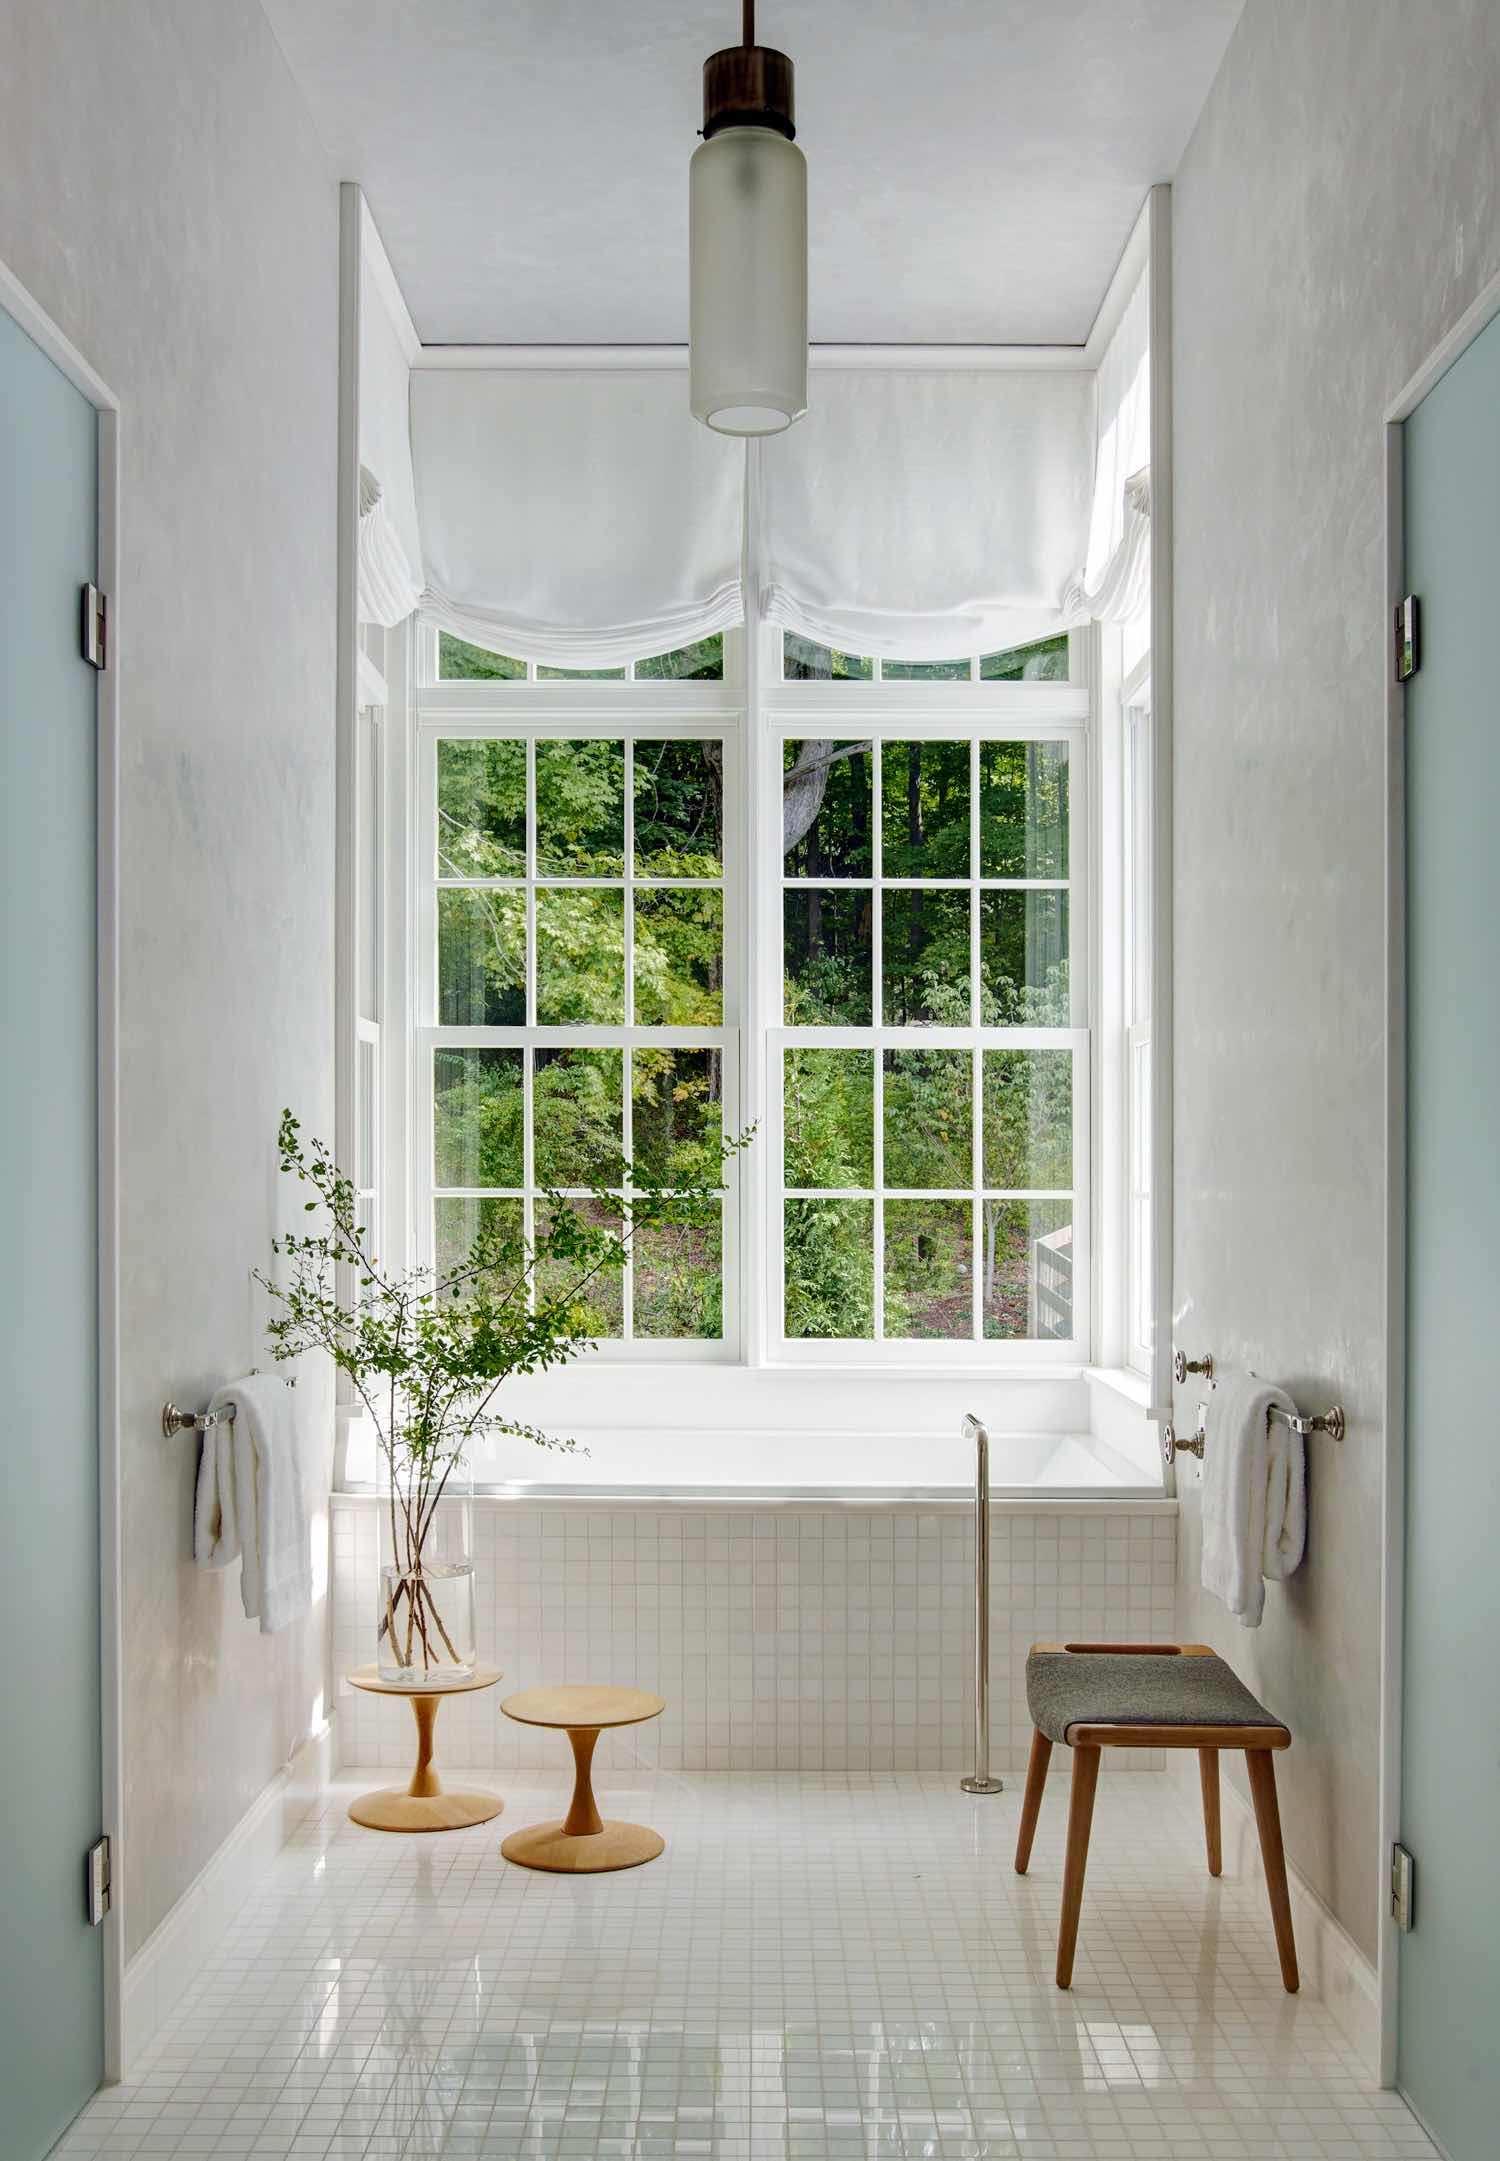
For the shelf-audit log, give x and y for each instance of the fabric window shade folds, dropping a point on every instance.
(924, 515)
(580, 518)
(1114, 583)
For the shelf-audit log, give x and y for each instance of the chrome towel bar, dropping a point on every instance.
(1331, 1422)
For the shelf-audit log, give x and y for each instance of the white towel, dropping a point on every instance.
(1254, 1495)
(251, 1501)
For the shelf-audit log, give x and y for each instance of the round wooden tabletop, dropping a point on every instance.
(583, 1705)
(371, 1677)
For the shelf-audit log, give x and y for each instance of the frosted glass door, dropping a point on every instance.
(51, 1967)
(1450, 1964)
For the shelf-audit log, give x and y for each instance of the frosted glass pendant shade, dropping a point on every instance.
(747, 239)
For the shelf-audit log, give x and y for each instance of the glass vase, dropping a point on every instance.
(424, 1618)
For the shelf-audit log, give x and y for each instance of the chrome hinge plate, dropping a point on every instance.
(1408, 638)
(95, 627)
(97, 1874)
(1403, 1887)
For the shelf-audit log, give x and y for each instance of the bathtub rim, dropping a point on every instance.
(808, 1500)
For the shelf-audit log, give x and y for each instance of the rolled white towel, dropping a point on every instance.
(216, 1522)
(251, 1501)
(1254, 1495)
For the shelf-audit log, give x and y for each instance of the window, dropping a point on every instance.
(804, 662)
(643, 916)
(931, 1063)
(457, 662)
(576, 975)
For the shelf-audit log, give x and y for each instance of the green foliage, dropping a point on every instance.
(929, 1269)
(478, 1120)
(699, 663)
(427, 1351)
(830, 1270)
(458, 661)
(829, 1117)
(679, 809)
(929, 1118)
(925, 810)
(580, 833)
(804, 661)
(1023, 810)
(580, 809)
(1044, 662)
(481, 809)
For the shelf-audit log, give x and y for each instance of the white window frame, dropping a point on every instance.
(649, 709)
(753, 711)
(901, 710)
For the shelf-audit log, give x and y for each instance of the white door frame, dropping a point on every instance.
(1449, 348)
(41, 329)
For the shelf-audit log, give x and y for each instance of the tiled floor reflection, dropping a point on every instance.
(834, 1964)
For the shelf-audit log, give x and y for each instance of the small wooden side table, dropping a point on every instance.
(582, 1843)
(423, 1805)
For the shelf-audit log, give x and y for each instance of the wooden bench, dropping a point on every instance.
(1093, 1696)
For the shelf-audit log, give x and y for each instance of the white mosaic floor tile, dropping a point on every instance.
(820, 1965)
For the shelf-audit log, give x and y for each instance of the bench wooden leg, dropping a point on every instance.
(1261, 1766)
(1031, 1805)
(1208, 1775)
(1080, 1819)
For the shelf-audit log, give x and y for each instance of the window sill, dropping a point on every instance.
(1122, 1381)
(1121, 1416)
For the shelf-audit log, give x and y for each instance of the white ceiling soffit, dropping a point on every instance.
(975, 165)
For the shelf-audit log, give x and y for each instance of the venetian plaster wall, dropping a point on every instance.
(1337, 210)
(163, 196)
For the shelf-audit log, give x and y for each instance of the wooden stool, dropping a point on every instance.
(582, 1843)
(423, 1805)
(1149, 1695)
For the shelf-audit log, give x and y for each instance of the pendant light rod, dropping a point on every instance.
(749, 16)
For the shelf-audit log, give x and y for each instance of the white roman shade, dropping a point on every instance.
(388, 587)
(580, 516)
(923, 515)
(1115, 581)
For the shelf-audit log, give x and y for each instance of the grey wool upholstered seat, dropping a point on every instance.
(1102, 1688)
(1091, 1696)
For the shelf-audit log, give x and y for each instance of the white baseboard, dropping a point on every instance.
(1330, 1961)
(175, 1951)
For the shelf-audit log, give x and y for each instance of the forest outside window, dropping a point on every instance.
(576, 945)
(931, 1071)
(885, 864)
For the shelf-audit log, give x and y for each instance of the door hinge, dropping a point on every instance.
(1408, 638)
(95, 627)
(96, 1870)
(1403, 1887)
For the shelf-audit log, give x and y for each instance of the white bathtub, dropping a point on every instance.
(652, 1464)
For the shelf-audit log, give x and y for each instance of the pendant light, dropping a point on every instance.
(747, 245)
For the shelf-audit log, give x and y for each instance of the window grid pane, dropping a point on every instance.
(960, 923)
(551, 944)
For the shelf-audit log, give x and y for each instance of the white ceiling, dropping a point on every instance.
(975, 166)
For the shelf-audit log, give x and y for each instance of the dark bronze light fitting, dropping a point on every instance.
(748, 86)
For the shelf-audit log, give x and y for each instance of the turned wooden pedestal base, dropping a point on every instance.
(423, 1805)
(582, 1843)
